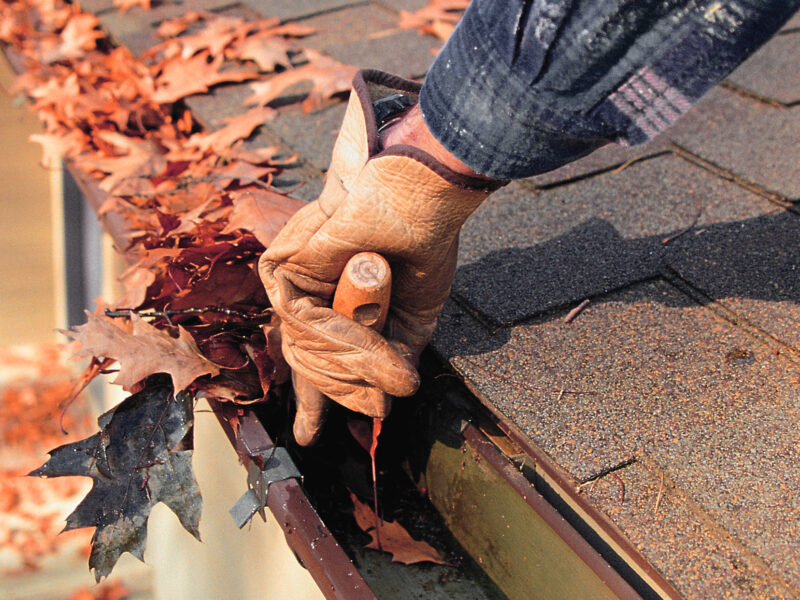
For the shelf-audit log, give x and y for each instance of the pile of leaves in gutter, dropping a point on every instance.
(191, 210)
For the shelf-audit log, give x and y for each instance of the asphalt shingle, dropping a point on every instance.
(525, 252)
(223, 102)
(288, 10)
(366, 36)
(134, 32)
(755, 141)
(774, 71)
(751, 265)
(605, 159)
(646, 370)
(793, 23)
(311, 135)
(696, 557)
(96, 6)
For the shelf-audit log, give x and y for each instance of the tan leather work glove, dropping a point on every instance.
(400, 203)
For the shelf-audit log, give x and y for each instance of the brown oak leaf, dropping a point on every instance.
(264, 49)
(327, 76)
(217, 33)
(238, 128)
(261, 212)
(243, 172)
(183, 77)
(79, 35)
(140, 159)
(143, 352)
(436, 12)
(174, 27)
(125, 5)
(56, 146)
(394, 538)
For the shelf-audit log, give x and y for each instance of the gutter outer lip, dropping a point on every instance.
(525, 489)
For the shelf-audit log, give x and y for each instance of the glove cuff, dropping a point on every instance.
(358, 139)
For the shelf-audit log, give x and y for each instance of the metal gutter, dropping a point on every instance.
(512, 475)
(599, 523)
(307, 536)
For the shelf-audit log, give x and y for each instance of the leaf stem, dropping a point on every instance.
(147, 313)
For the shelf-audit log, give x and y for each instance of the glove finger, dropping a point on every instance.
(343, 348)
(355, 395)
(373, 362)
(410, 332)
(312, 409)
(306, 222)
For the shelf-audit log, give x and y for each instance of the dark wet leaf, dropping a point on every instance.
(137, 459)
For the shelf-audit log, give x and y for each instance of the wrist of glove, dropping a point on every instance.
(400, 203)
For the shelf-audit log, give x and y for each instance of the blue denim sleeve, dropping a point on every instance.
(523, 87)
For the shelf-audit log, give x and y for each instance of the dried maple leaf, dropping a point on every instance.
(143, 352)
(394, 538)
(126, 5)
(238, 128)
(327, 76)
(183, 77)
(136, 460)
(261, 212)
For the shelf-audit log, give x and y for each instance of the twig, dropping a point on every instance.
(576, 311)
(685, 230)
(659, 495)
(560, 394)
(628, 163)
(146, 314)
(621, 487)
(184, 182)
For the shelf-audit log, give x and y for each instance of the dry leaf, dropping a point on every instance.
(439, 29)
(125, 5)
(327, 76)
(56, 146)
(79, 35)
(266, 50)
(141, 160)
(218, 33)
(174, 27)
(136, 282)
(256, 156)
(261, 212)
(437, 18)
(243, 172)
(143, 352)
(180, 78)
(238, 128)
(394, 538)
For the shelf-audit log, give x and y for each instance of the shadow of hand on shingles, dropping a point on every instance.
(755, 258)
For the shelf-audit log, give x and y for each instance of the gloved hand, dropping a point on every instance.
(400, 203)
